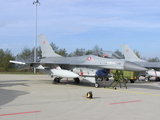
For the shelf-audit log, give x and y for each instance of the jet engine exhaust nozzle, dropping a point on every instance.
(130, 66)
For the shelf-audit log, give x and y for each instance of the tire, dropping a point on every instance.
(96, 85)
(76, 80)
(107, 79)
(132, 81)
(146, 78)
(56, 80)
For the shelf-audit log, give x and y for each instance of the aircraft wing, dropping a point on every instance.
(26, 65)
(55, 63)
(17, 62)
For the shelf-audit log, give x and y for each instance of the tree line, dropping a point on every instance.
(27, 54)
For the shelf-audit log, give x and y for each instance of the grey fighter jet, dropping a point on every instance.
(153, 67)
(75, 67)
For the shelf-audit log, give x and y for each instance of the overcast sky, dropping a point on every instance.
(72, 24)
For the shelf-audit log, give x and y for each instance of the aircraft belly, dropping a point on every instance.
(89, 79)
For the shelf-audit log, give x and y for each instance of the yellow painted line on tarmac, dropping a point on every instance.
(136, 92)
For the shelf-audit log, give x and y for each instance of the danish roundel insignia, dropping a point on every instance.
(89, 58)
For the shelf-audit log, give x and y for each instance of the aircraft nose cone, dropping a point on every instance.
(130, 66)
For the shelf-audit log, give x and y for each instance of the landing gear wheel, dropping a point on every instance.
(56, 80)
(76, 80)
(132, 81)
(107, 79)
(146, 78)
(96, 85)
(157, 79)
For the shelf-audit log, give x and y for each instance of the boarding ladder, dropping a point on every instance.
(118, 79)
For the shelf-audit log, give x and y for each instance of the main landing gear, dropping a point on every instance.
(56, 80)
(76, 80)
(100, 79)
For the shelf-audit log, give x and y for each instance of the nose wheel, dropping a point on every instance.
(96, 85)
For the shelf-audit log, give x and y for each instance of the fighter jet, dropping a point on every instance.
(153, 67)
(60, 67)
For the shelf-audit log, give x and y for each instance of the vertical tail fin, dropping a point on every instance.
(129, 54)
(46, 48)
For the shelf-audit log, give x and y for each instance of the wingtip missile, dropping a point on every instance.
(16, 62)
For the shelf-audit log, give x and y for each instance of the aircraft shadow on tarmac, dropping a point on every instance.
(72, 83)
(137, 84)
(85, 84)
(12, 84)
(6, 95)
(13, 81)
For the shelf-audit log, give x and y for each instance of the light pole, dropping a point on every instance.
(35, 44)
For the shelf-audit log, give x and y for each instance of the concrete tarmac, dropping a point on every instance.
(34, 97)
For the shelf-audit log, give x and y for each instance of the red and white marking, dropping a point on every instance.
(89, 58)
(125, 102)
(127, 50)
(44, 42)
(19, 113)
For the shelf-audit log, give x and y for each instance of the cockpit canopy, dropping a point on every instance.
(108, 54)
